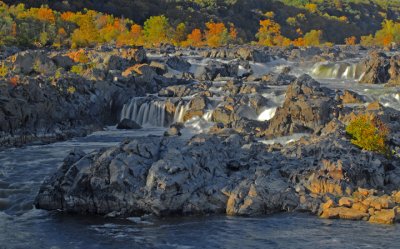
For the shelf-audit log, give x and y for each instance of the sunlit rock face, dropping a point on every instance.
(307, 108)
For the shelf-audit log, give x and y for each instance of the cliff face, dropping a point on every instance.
(337, 21)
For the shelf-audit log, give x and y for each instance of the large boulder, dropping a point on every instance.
(252, 54)
(376, 69)
(178, 64)
(307, 108)
(128, 124)
(216, 69)
(63, 61)
(394, 70)
(135, 55)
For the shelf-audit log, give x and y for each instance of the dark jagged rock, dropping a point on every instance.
(307, 108)
(128, 124)
(377, 66)
(216, 69)
(63, 61)
(178, 64)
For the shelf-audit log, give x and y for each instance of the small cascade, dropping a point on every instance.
(267, 114)
(208, 115)
(145, 113)
(348, 71)
(180, 112)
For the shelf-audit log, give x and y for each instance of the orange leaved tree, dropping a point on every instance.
(269, 34)
(216, 34)
(195, 38)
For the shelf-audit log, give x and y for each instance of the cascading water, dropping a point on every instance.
(145, 113)
(267, 114)
(153, 113)
(341, 70)
(180, 112)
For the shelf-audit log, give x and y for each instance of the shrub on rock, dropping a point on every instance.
(368, 132)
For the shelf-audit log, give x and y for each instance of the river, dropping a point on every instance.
(22, 226)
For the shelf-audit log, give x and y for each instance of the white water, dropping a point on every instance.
(146, 113)
(267, 114)
(286, 139)
(180, 112)
(339, 70)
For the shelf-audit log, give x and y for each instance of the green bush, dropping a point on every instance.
(369, 133)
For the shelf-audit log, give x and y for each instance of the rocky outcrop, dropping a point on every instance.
(208, 174)
(377, 66)
(394, 70)
(365, 205)
(37, 108)
(307, 108)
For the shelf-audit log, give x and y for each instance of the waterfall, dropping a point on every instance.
(180, 112)
(152, 112)
(145, 113)
(342, 70)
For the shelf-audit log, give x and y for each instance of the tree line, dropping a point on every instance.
(44, 27)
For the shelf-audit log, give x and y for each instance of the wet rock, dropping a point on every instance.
(223, 114)
(174, 130)
(116, 62)
(344, 213)
(178, 64)
(387, 216)
(128, 124)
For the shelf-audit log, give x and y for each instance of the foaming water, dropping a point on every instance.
(285, 139)
(338, 70)
(267, 114)
(148, 113)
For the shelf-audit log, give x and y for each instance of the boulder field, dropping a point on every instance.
(229, 172)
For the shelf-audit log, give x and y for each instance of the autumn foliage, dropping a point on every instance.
(368, 132)
(44, 27)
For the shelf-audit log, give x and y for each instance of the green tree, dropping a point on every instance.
(157, 30)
